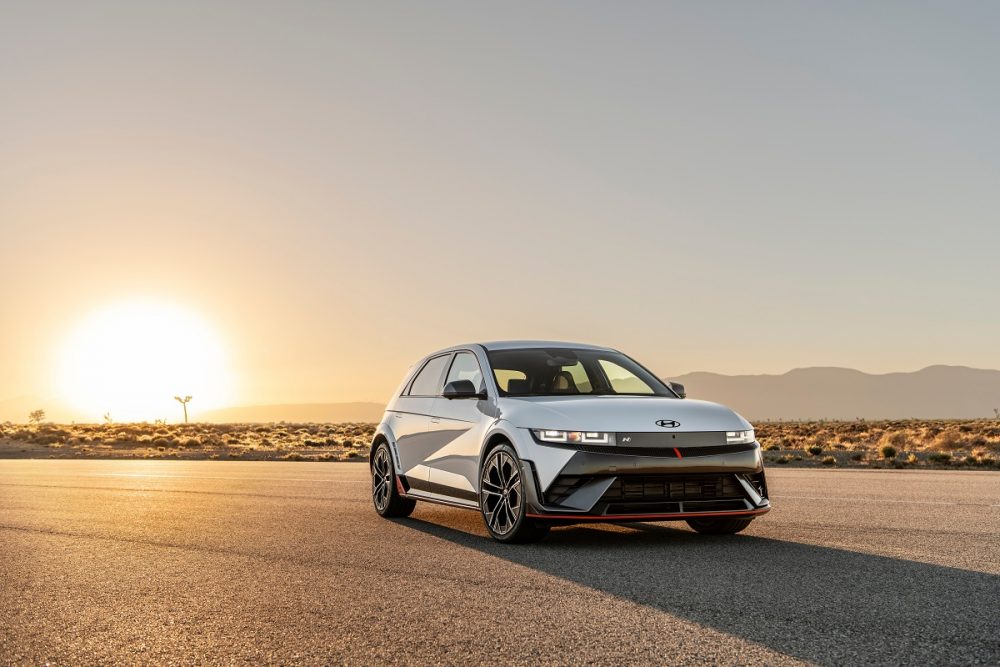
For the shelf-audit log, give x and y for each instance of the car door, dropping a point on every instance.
(456, 429)
(411, 419)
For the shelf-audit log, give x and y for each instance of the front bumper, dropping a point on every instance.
(615, 486)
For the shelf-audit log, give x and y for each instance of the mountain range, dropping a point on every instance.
(935, 392)
(841, 393)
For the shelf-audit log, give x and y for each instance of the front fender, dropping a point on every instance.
(546, 462)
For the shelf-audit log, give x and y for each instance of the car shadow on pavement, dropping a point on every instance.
(825, 605)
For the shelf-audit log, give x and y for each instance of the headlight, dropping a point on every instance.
(574, 437)
(739, 437)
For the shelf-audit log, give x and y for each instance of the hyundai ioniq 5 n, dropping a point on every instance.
(534, 434)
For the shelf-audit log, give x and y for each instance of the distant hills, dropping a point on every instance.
(298, 412)
(842, 393)
(17, 409)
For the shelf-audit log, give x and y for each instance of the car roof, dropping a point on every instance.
(525, 344)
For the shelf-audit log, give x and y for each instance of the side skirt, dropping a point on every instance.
(442, 500)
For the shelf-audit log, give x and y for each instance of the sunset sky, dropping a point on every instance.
(317, 194)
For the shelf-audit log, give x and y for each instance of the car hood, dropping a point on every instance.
(619, 414)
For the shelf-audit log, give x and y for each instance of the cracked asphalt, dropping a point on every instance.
(212, 562)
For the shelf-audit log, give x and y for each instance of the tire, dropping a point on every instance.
(385, 496)
(719, 526)
(502, 501)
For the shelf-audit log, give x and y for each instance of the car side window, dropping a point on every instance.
(466, 367)
(428, 381)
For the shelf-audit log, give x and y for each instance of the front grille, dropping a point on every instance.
(655, 494)
(662, 488)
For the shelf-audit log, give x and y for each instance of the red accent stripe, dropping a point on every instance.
(678, 453)
(399, 487)
(645, 517)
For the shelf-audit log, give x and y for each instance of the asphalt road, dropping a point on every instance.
(217, 562)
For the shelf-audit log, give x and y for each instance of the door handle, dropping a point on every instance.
(435, 420)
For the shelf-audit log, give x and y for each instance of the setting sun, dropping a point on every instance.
(130, 360)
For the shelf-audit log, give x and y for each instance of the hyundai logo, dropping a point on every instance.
(668, 423)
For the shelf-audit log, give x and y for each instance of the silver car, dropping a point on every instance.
(534, 434)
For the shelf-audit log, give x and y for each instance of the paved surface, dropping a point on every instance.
(217, 562)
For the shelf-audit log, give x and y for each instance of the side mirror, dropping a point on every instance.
(678, 389)
(462, 389)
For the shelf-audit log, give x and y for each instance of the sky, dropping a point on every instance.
(337, 189)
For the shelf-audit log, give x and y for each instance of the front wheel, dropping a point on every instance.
(501, 499)
(729, 526)
(385, 495)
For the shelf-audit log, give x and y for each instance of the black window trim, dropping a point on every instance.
(409, 385)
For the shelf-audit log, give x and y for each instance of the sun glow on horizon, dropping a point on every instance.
(132, 358)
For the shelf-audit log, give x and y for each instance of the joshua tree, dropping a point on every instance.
(184, 404)
(36, 417)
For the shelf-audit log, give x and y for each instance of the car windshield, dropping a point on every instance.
(565, 371)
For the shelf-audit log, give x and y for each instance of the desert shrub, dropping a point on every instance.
(912, 459)
(887, 451)
(857, 456)
(821, 438)
(772, 448)
(987, 461)
(814, 450)
(948, 440)
(189, 442)
(939, 457)
(292, 456)
(895, 439)
(161, 443)
(829, 461)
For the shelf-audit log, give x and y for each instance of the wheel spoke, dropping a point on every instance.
(487, 482)
(493, 517)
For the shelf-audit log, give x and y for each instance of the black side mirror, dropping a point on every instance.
(678, 389)
(462, 389)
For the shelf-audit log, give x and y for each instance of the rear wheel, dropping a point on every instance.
(501, 499)
(727, 526)
(385, 495)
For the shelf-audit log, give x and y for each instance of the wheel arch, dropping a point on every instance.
(383, 434)
(496, 436)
